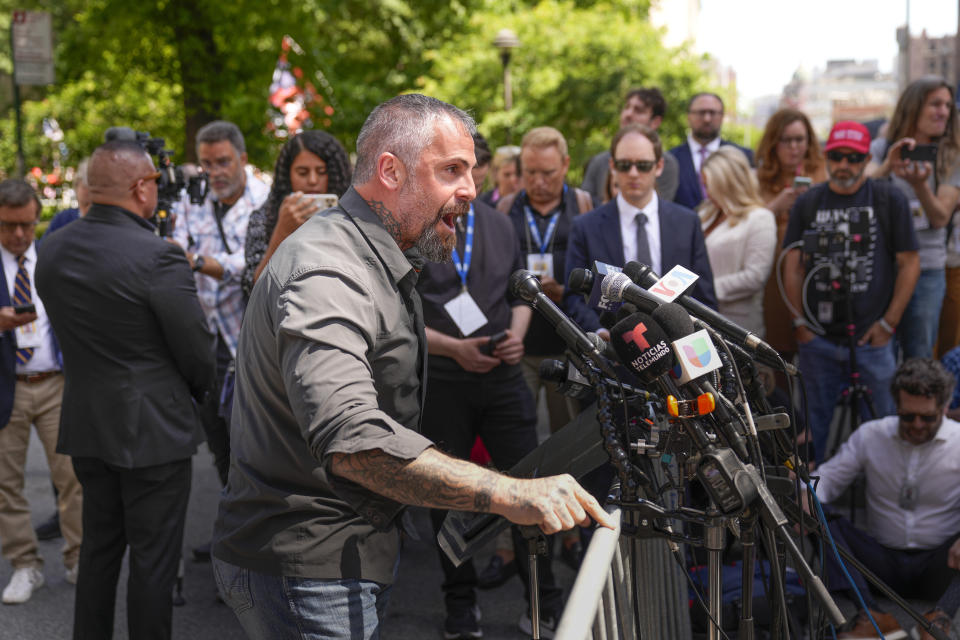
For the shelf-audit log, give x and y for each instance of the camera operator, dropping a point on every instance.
(213, 234)
(135, 349)
(878, 263)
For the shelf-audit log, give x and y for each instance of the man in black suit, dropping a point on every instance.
(136, 349)
(636, 225)
(705, 117)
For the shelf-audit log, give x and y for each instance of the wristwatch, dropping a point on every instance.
(800, 322)
(197, 262)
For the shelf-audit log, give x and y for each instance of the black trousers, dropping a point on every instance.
(215, 428)
(144, 508)
(499, 409)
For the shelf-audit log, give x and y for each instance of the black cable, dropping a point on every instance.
(696, 592)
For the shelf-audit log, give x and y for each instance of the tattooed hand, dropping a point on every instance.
(555, 503)
(436, 480)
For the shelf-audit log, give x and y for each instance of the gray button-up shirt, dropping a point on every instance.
(330, 360)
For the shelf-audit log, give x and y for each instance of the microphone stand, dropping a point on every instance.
(713, 537)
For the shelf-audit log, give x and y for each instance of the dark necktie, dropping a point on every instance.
(643, 245)
(21, 295)
(703, 158)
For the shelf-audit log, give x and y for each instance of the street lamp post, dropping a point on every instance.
(506, 41)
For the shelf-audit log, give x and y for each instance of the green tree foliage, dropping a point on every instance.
(575, 63)
(168, 66)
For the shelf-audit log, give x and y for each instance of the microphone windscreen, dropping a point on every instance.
(641, 274)
(626, 310)
(609, 318)
(580, 280)
(524, 285)
(674, 319)
(642, 346)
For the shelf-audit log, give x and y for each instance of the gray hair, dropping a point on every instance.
(403, 126)
(220, 130)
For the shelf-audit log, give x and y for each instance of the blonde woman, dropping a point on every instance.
(741, 236)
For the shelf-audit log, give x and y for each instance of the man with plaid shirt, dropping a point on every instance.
(212, 235)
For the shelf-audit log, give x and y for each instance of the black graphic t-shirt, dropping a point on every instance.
(850, 244)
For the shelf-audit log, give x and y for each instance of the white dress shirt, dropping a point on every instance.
(44, 358)
(889, 462)
(628, 229)
(695, 147)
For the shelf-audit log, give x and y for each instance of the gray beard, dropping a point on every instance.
(432, 248)
(849, 182)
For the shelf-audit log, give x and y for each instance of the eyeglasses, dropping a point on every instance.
(852, 158)
(10, 227)
(643, 166)
(155, 176)
(789, 142)
(703, 113)
(219, 163)
(928, 418)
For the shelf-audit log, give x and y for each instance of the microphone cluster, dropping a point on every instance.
(677, 381)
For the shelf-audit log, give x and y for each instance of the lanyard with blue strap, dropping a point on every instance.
(544, 244)
(463, 267)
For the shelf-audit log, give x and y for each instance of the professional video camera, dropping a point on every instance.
(173, 179)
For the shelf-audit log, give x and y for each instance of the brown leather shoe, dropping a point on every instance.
(939, 619)
(863, 628)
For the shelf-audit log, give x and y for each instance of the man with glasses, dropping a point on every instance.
(542, 213)
(909, 461)
(213, 236)
(31, 390)
(705, 117)
(851, 261)
(136, 349)
(644, 105)
(637, 225)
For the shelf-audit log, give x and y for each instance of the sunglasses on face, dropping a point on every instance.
(852, 158)
(643, 166)
(928, 418)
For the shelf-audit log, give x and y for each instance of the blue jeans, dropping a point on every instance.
(287, 608)
(825, 366)
(917, 332)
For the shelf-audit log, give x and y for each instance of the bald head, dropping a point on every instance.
(118, 174)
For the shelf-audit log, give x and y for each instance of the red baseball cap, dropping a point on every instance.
(849, 134)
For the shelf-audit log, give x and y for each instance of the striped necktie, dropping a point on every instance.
(21, 295)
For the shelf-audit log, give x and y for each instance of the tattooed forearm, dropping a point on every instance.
(432, 480)
(390, 221)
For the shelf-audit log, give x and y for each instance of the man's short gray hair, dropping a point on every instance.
(403, 126)
(220, 130)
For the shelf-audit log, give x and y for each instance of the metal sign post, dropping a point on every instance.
(31, 38)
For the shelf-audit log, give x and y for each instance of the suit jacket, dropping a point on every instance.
(596, 236)
(136, 346)
(8, 350)
(688, 191)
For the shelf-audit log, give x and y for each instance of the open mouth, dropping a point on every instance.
(449, 219)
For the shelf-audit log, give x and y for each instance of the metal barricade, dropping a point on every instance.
(608, 603)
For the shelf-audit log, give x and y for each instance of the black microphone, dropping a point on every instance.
(642, 346)
(588, 282)
(644, 276)
(677, 324)
(618, 286)
(525, 286)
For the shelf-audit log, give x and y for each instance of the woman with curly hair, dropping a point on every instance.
(925, 115)
(310, 162)
(788, 149)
